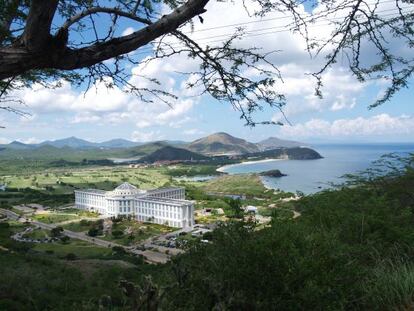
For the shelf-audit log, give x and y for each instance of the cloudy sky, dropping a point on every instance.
(101, 114)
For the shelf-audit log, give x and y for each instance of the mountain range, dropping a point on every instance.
(75, 151)
(214, 144)
(78, 143)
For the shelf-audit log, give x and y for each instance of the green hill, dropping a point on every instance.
(169, 153)
(222, 143)
(296, 153)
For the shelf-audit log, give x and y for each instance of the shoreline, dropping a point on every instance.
(222, 168)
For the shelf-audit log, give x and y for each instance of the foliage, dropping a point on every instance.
(93, 232)
(117, 234)
(56, 232)
(192, 170)
(247, 184)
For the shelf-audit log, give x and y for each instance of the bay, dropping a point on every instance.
(310, 176)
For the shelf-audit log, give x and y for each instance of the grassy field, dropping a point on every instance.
(64, 180)
(247, 184)
(80, 226)
(37, 234)
(52, 218)
(81, 249)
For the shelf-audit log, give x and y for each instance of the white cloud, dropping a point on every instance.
(180, 122)
(4, 140)
(378, 125)
(31, 140)
(178, 109)
(128, 31)
(192, 132)
(85, 117)
(139, 136)
(28, 118)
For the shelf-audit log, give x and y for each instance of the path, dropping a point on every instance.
(150, 256)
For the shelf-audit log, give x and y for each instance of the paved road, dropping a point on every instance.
(150, 256)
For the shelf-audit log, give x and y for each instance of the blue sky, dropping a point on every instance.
(101, 114)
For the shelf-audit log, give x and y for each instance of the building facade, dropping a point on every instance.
(164, 206)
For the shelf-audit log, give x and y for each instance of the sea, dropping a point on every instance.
(310, 176)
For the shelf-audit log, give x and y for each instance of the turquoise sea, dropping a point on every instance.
(310, 176)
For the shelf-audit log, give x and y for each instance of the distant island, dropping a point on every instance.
(272, 173)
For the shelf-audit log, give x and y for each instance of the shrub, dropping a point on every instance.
(119, 250)
(56, 232)
(117, 234)
(93, 232)
(65, 239)
(4, 225)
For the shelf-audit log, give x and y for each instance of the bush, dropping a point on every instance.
(208, 236)
(93, 232)
(117, 234)
(56, 232)
(65, 239)
(84, 222)
(4, 225)
(119, 250)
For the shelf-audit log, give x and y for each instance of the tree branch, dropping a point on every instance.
(17, 60)
(37, 31)
(95, 10)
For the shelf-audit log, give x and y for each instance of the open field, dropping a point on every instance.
(65, 180)
(80, 226)
(80, 249)
(248, 184)
(53, 218)
(37, 234)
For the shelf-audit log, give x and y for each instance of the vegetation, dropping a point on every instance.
(272, 173)
(51, 218)
(169, 153)
(247, 184)
(192, 170)
(82, 225)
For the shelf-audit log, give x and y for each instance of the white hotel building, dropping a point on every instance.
(165, 206)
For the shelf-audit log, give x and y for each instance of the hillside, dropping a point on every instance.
(222, 143)
(274, 142)
(289, 153)
(16, 145)
(169, 153)
(71, 142)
